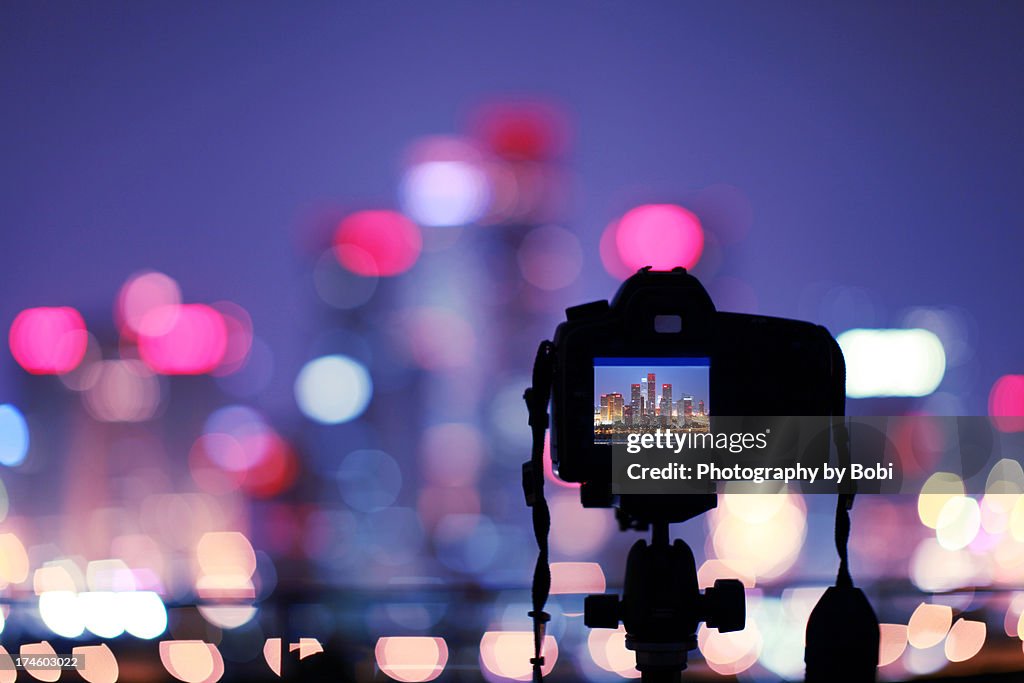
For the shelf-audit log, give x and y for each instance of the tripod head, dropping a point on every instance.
(661, 606)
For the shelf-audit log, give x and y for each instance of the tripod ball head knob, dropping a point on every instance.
(601, 611)
(723, 606)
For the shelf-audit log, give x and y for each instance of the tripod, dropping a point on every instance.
(661, 606)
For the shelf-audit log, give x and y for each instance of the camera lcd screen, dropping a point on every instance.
(647, 394)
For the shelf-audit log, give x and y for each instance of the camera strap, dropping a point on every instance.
(842, 636)
(537, 398)
(841, 438)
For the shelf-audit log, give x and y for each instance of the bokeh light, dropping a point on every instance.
(275, 472)
(660, 235)
(14, 436)
(928, 625)
(272, 654)
(891, 643)
(122, 391)
(965, 640)
(143, 613)
(1006, 403)
(226, 564)
(577, 532)
(445, 193)
(238, 449)
(507, 654)
(333, 389)
(576, 577)
(98, 663)
(235, 437)
(14, 564)
(958, 523)
(58, 575)
(140, 294)
(766, 541)
(522, 130)
(228, 616)
(7, 675)
(192, 661)
(48, 340)
(1005, 477)
(934, 568)
(377, 243)
(892, 362)
(62, 613)
(607, 648)
(111, 608)
(226, 553)
(714, 569)
(1012, 617)
(1016, 521)
(411, 658)
(101, 613)
(1003, 490)
(953, 326)
(937, 490)
(44, 650)
(783, 625)
(80, 379)
(306, 647)
(238, 324)
(922, 662)
(187, 339)
(109, 575)
(732, 653)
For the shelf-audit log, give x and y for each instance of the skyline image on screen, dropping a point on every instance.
(645, 394)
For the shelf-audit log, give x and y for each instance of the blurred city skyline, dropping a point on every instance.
(273, 278)
(204, 142)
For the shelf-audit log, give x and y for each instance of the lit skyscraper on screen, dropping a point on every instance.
(611, 408)
(666, 404)
(615, 406)
(651, 388)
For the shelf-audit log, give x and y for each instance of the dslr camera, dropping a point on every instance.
(659, 356)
